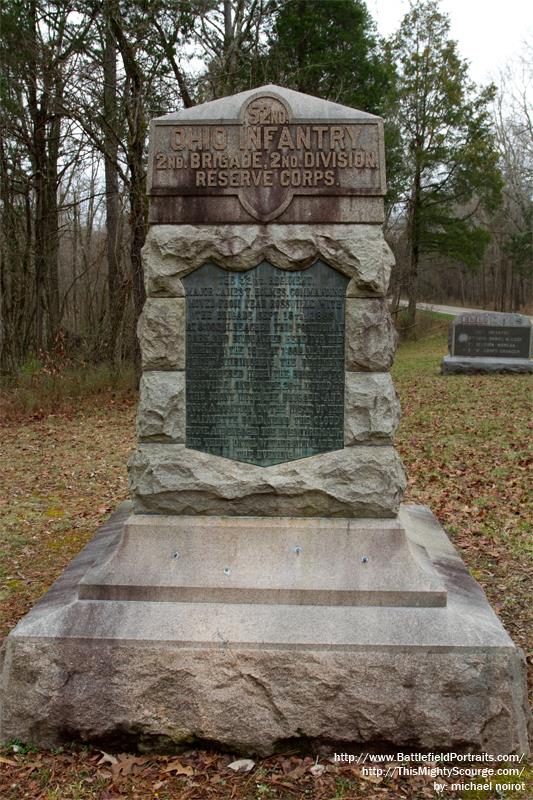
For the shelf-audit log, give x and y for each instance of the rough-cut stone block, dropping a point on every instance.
(257, 677)
(161, 410)
(161, 332)
(355, 290)
(358, 251)
(255, 700)
(353, 482)
(370, 335)
(462, 365)
(371, 408)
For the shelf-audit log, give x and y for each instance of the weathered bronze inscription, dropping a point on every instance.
(265, 362)
(266, 157)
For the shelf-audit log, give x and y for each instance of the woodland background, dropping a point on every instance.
(79, 82)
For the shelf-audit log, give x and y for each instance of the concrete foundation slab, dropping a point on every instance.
(457, 365)
(253, 676)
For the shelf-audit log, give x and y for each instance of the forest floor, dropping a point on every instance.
(466, 444)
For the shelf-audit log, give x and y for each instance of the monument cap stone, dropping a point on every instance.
(268, 154)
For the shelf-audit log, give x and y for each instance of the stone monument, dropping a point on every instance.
(489, 341)
(267, 587)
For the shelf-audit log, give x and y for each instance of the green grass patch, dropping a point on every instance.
(39, 390)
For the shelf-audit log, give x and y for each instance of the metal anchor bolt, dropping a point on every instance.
(297, 549)
(176, 556)
(227, 570)
(364, 560)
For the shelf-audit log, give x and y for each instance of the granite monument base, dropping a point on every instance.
(464, 365)
(315, 663)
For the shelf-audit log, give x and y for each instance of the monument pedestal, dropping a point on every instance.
(305, 646)
(464, 365)
(276, 561)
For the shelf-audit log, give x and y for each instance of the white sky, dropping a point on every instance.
(489, 32)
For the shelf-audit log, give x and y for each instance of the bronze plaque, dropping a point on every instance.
(266, 158)
(265, 362)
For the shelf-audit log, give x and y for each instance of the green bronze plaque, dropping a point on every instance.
(265, 362)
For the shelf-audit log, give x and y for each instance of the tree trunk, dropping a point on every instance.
(44, 112)
(39, 227)
(75, 243)
(135, 150)
(111, 188)
(228, 49)
(52, 216)
(137, 208)
(138, 235)
(413, 234)
(301, 49)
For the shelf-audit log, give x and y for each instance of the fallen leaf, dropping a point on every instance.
(126, 764)
(179, 768)
(293, 788)
(107, 759)
(371, 778)
(293, 775)
(317, 769)
(33, 765)
(242, 765)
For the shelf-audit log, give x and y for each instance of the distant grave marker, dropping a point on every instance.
(489, 341)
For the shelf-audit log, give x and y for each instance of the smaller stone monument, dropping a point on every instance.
(489, 341)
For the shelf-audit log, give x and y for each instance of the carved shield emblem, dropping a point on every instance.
(270, 192)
